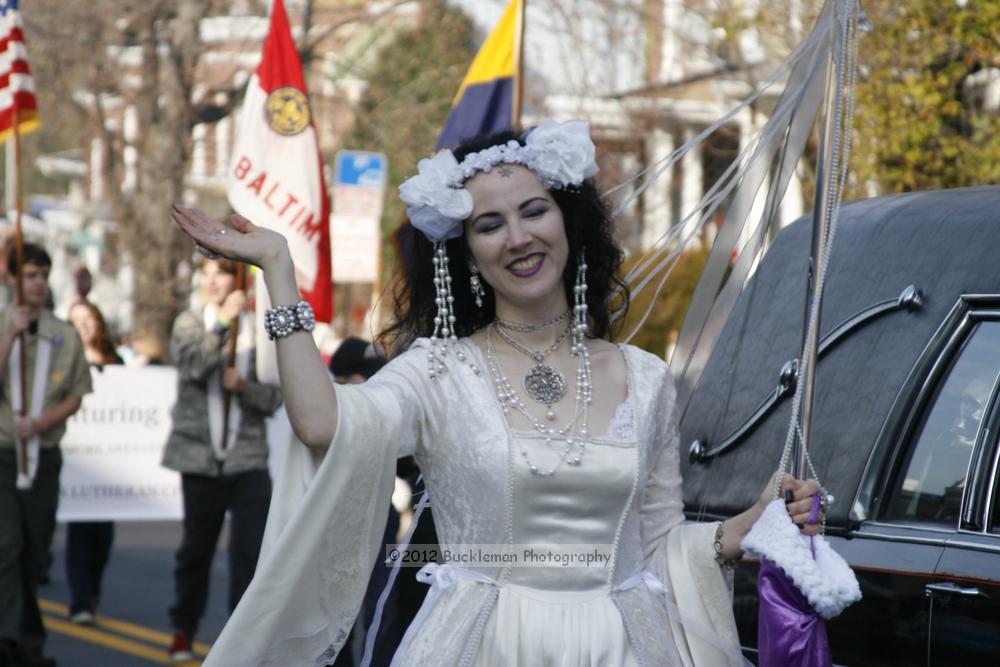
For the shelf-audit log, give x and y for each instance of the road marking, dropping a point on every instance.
(108, 640)
(95, 635)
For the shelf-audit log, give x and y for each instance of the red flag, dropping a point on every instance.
(17, 88)
(276, 173)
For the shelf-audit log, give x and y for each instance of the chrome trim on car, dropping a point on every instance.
(991, 486)
(928, 541)
(910, 299)
(906, 526)
(786, 385)
(951, 588)
(976, 546)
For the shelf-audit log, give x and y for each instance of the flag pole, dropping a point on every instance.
(825, 182)
(19, 280)
(234, 333)
(519, 67)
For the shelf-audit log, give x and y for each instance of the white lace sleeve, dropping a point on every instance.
(406, 377)
(680, 554)
(663, 504)
(620, 426)
(324, 531)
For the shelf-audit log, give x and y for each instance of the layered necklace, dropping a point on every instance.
(542, 383)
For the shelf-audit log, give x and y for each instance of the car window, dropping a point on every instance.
(995, 510)
(931, 480)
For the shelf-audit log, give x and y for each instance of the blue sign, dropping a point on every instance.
(360, 169)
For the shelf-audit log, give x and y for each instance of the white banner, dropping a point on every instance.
(276, 171)
(113, 446)
(114, 443)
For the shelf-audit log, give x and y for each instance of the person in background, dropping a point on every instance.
(55, 377)
(355, 361)
(219, 473)
(88, 543)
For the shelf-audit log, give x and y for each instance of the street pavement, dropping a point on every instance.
(132, 628)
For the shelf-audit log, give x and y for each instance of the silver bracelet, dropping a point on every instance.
(282, 321)
(723, 562)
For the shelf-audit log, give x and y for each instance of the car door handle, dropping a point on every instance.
(949, 588)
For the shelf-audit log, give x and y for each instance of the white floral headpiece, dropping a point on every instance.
(560, 154)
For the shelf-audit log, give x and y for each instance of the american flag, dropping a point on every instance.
(17, 88)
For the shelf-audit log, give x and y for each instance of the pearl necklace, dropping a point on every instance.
(525, 327)
(572, 451)
(543, 383)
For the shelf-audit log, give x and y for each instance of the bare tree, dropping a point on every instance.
(128, 80)
(123, 77)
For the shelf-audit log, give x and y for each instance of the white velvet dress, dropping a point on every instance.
(322, 535)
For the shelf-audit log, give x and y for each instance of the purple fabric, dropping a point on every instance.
(790, 632)
(814, 513)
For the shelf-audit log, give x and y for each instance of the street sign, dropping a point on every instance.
(358, 193)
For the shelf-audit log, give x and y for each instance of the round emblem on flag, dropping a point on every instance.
(287, 111)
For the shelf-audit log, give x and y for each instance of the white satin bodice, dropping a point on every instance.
(578, 505)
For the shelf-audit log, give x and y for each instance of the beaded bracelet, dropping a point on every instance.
(723, 562)
(282, 321)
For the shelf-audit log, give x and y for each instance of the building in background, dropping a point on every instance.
(81, 225)
(647, 75)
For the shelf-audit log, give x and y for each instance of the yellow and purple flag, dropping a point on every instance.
(488, 97)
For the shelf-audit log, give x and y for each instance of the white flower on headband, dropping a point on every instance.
(560, 154)
(434, 205)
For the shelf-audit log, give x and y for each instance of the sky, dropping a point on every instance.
(584, 50)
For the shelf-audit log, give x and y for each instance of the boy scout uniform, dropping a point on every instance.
(27, 518)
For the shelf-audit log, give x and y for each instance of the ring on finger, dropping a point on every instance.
(825, 500)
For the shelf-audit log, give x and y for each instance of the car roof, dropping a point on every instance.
(945, 242)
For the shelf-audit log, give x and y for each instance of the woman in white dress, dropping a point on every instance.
(535, 434)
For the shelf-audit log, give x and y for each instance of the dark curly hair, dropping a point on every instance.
(588, 226)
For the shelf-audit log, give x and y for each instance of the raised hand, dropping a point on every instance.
(237, 238)
(233, 305)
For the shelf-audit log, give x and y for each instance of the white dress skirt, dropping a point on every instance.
(557, 615)
(659, 600)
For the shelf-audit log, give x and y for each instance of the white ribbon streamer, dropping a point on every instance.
(38, 387)
(216, 395)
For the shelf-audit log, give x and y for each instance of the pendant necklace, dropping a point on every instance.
(542, 383)
(573, 435)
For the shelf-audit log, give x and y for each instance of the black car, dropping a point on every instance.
(905, 423)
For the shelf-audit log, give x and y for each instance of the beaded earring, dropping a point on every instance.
(444, 335)
(476, 285)
(581, 319)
